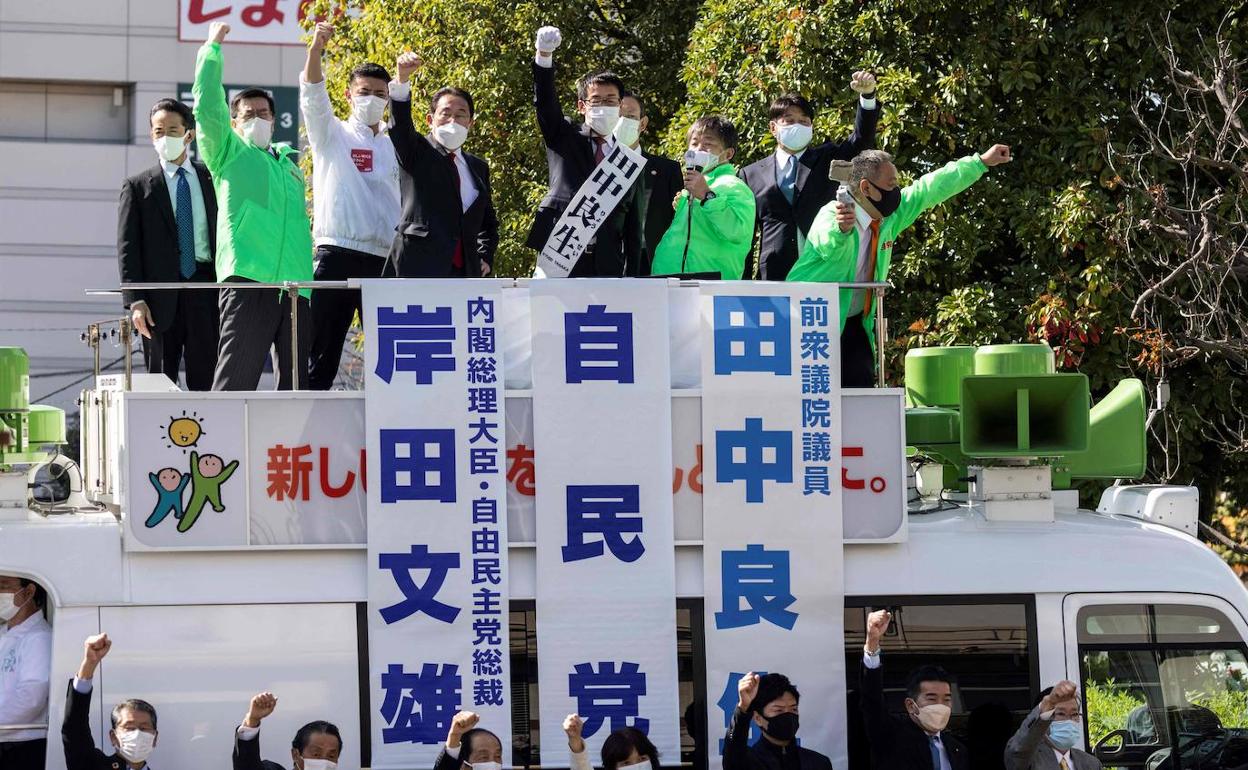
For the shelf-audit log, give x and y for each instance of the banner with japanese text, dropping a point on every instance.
(275, 22)
(772, 551)
(606, 569)
(437, 523)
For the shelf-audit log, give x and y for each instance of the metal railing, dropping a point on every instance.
(126, 329)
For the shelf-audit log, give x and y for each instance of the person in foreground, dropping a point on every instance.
(1048, 736)
(771, 702)
(133, 735)
(316, 746)
(469, 747)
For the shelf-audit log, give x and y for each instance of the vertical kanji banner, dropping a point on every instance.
(437, 523)
(606, 573)
(772, 552)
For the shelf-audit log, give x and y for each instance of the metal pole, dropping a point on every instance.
(879, 337)
(293, 293)
(127, 342)
(93, 339)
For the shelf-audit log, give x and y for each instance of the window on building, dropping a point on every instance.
(32, 110)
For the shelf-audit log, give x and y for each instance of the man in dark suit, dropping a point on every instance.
(134, 721)
(660, 183)
(448, 227)
(317, 745)
(771, 702)
(572, 152)
(167, 233)
(792, 184)
(919, 741)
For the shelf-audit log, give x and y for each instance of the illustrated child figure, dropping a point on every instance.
(207, 476)
(169, 483)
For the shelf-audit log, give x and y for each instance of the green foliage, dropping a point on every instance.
(1107, 707)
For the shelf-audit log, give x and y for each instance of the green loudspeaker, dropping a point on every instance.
(1117, 446)
(1040, 415)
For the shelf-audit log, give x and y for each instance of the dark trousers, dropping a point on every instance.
(252, 322)
(857, 361)
(190, 338)
(333, 309)
(23, 755)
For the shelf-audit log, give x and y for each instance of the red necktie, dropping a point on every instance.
(875, 244)
(599, 142)
(457, 261)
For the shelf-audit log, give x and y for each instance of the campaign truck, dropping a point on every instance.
(614, 499)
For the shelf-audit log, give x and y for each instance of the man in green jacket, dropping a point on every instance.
(263, 234)
(713, 228)
(854, 243)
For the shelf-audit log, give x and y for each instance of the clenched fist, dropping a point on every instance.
(406, 66)
(548, 39)
(321, 35)
(996, 155)
(863, 83)
(747, 689)
(461, 723)
(218, 31)
(1062, 691)
(261, 706)
(93, 651)
(877, 624)
(573, 725)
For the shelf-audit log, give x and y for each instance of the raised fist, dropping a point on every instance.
(406, 66)
(845, 216)
(877, 624)
(747, 689)
(462, 722)
(95, 648)
(321, 35)
(996, 155)
(261, 706)
(218, 31)
(1062, 692)
(573, 725)
(548, 39)
(863, 83)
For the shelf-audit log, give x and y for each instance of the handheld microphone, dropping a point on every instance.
(691, 161)
(691, 164)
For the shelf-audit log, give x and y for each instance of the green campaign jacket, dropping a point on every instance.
(263, 231)
(723, 230)
(831, 256)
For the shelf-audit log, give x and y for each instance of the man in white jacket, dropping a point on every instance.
(25, 669)
(355, 197)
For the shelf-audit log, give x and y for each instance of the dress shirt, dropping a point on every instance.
(199, 215)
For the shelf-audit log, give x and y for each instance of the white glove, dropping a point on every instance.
(548, 39)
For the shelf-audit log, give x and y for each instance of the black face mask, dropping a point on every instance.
(889, 199)
(782, 727)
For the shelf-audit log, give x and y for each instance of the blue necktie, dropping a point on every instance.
(935, 744)
(789, 181)
(186, 226)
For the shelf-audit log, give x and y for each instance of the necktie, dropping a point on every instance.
(457, 260)
(1063, 764)
(599, 154)
(934, 742)
(186, 226)
(788, 181)
(875, 244)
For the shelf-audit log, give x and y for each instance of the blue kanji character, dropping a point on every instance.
(754, 455)
(815, 345)
(487, 692)
(421, 598)
(417, 464)
(419, 707)
(816, 447)
(487, 571)
(487, 631)
(482, 460)
(481, 307)
(482, 370)
(485, 541)
(483, 400)
(816, 480)
(598, 345)
(481, 430)
(752, 335)
(728, 703)
(760, 578)
(814, 311)
(487, 662)
(415, 341)
(481, 340)
(816, 378)
(608, 694)
(485, 601)
(596, 509)
(816, 413)
(484, 511)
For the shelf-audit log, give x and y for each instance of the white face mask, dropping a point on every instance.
(368, 109)
(628, 131)
(318, 764)
(169, 148)
(451, 135)
(642, 765)
(701, 159)
(486, 766)
(135, 745)
(794, 136)
(259, 132)
(934, 718)
(9, 608)
(602, 120)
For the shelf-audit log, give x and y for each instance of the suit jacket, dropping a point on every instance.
(738, 755)
(247, 755)
(896, 743)
(445, 761)
(433, 218)
(661, 181)
(777, 220)
(147, 238)
(80, 750)
(1028, 750)
(569, 162)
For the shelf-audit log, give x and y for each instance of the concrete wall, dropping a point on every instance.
(58, 196)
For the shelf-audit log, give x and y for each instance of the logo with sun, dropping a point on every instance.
(183, 432)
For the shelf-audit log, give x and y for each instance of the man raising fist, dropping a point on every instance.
(771, 702)
(470, 747)
(133, 734)
(1049, 735)
(317, 745)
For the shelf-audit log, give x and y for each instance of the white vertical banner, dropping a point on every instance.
(772, 554)
(437, 523)
(606, 583)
